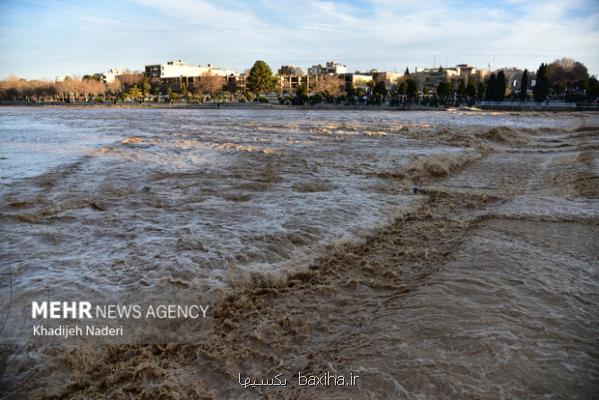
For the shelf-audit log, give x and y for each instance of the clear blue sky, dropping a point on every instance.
(46, 38)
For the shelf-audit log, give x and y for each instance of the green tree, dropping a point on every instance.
(524, 86)
(402, 88)
(444, 89)
(490, 92)
(316, 98)
(500, 86)
(172, 95)
(351, 93)
(471, 90)
(260, 79)
(412, 89)
(541, 88)
(133, 93)
(145, 86)
(380, 91)
(462, 88)
(301, 94)
(480, 91)
(407, 72)
(351, 90)
(593, 87)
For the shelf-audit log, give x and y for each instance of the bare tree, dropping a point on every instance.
(72, 87)
(130, 78)
(210, 84)
(13, 88)
(330, 85)
(113, 87)
(91, 87)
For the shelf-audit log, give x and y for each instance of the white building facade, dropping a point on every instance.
(179, 69)
(110, 75)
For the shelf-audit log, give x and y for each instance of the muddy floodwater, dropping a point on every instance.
(435, 254)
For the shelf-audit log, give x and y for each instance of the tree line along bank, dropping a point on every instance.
(564, 80)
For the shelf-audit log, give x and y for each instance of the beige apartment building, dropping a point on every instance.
(433, 76)
(330, 68)
(290, 77)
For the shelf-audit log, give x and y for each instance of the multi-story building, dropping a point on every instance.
(466, 72)
(176, 73)
(329, 68)
(465, 69)
(290, 77)
(110, 75)
(357, 79)
(433, 76)
(291, 70)
(390, 78)
(176, 69)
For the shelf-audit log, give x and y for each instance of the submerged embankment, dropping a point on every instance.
(434, 254)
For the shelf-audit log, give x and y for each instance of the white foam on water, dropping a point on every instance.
(197, 194)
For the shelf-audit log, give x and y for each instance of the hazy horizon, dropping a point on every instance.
(42, 40)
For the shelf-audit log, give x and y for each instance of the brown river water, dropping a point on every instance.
(435, 254)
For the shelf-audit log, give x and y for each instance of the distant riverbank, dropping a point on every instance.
(255, 105)
(228, 105)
